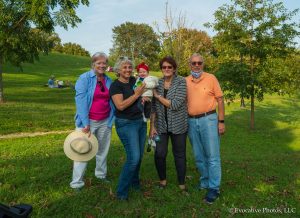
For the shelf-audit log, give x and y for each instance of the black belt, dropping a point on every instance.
(202, 115)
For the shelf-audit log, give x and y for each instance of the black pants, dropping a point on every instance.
(179, 153)
(147, 109)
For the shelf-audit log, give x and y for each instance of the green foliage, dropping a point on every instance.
(71, 48)
(253, 33)
(19, 42)
(136, 41)
(182, 43)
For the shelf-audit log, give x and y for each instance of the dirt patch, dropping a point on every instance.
(31, 134)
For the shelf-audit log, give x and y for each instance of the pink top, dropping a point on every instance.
(100, 108)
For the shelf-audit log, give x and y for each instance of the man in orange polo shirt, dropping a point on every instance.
(204, 94)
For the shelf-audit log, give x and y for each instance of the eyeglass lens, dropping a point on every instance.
(167, 67)
(197, 63)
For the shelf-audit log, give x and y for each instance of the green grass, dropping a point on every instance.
(260, 168)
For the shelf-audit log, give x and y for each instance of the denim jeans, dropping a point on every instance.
(103, 135)
(205, 140)
(132, 134)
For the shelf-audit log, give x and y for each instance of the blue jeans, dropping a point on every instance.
(132, 134)
(205, 140)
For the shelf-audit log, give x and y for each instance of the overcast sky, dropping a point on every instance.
(94, 33)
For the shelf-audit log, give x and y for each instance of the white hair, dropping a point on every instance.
(196, 55)
(98, 55)
(120, 62)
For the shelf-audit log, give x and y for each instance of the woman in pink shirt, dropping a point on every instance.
(94, 115)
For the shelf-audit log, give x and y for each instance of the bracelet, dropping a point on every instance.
(221, 121)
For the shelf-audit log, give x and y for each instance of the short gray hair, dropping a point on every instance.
(196, 55)
(98, 55)
(120, 62)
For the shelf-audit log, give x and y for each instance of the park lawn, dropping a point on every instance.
(260, 167)
(260, 170)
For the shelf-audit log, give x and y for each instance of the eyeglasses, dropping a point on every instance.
(195, 63)
(101, 86)
(167, 67)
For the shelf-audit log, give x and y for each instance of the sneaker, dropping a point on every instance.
(211, 196)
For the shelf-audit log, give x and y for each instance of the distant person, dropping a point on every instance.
(151, 83)
(205, 125)
(94, 115)
(51, 82)
(169, 120)
(130, 126)
(60, 84)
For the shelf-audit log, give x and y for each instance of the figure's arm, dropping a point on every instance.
(122, 104)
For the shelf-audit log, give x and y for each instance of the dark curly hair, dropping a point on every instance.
(169, 60)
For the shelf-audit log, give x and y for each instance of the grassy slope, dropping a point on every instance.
(260, 168)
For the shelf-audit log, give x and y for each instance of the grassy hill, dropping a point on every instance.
(33, 107)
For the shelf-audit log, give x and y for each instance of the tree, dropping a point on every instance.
(180, 41)
(71, 48)
(20, 23)
(136, 41)
(253, 32)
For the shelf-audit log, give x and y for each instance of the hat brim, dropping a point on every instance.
(80, 157)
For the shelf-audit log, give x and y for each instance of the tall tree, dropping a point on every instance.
(19, 42)
(254, 31)
(180, 41)
(137, 41)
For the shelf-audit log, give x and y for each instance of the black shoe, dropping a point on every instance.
(211, 196)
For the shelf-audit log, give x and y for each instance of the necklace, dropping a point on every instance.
(123, 80)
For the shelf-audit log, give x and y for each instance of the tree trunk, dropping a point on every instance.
(242, 102)
(252, 109)
(1, 84)
(252, 91)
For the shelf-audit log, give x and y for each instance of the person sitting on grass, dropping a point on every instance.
(51, 82)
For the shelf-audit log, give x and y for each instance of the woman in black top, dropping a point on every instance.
(130, 126)
(169, 120)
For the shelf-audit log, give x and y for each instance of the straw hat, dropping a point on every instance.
(79, 147)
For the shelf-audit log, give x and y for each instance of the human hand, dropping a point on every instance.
(221, 127)
(155, 94)
(139, 90)
(87, 130)
(152, 132)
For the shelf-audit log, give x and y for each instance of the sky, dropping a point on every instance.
(94, 33)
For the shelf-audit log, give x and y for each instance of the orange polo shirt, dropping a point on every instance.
(201, 95)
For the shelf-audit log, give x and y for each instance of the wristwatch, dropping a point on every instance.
(221, 121)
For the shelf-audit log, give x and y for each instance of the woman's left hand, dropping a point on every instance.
(155, 93)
